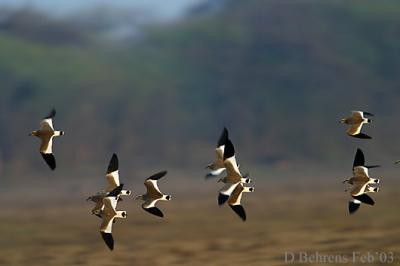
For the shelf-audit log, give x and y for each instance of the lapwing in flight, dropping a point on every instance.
(100, 196)
(361, 183)
(153, 195)
(233, 176)
(235, 200)
(108, 214)
(113, 183)
(46, 133)
(217, 167)
(356, 122)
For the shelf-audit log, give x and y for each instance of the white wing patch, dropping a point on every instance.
(47, 146)
(47, 125)
(217, 172)
(220, 152)
(106, 225)
(361, 171)
(355, 129)
(150, 203)
(357, 114)
(228, 189)
(153, 184)
(233, 166)
(358, 189)
(112, 180)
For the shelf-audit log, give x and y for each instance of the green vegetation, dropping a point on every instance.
(279, 73)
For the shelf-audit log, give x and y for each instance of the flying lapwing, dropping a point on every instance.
(355, 202)
(153, 195)
(356, 121)
(113, 183)
(46, 133)
(99, 199)
(361, 183)
(233, 176)
(235, 200)
(108, 215)
(218, 167)
(112, 176)
(361, 171)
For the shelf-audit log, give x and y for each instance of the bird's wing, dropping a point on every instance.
(110, 203)
(358, 188)
(98, 206)
(354, 205)
(226, 192)
(106, 225)
(116, 191)
(232, 169)
(149, 203)
(152, 189)
(46, 125)
(112, 175)
(151, 185)
(215, 173)
(46, 145)
(367, 114)
(364, 198)
(150, 207)
(157, 176)
(236, 195)
(359, 159)
(220, 152)
(355, 129)
(239, 210)
(358, 115)
(233, 174)
(112, 181)
(108, 239)
(50, 160)
(223, 138)
(361, 173)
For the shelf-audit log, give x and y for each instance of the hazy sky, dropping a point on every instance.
(162, 8)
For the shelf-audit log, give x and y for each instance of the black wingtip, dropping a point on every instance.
(239, 210)
(222, 199)
(108, 239)
(229, 149)
(364, 198)
(359, 159)
(116, 191)
(372, 166)
(155, 211)
(223, 138)
(52, 114)
(353, 207)
(157, 176)
(367, 114)
(50, 160)
(113, 165)
(209, 176)
(362, 136)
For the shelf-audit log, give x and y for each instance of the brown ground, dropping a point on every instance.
(197, 232)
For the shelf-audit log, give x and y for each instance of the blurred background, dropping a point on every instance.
(156, 81)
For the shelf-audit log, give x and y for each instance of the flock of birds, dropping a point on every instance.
(106, 200)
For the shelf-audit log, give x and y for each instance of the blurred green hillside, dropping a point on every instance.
(279, 74)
